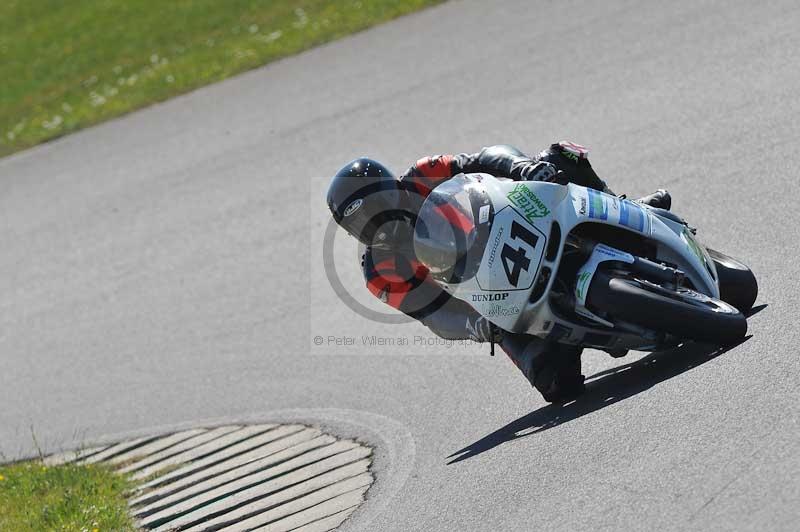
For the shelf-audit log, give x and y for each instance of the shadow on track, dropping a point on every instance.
(604, 389)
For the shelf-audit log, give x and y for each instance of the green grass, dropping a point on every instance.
(66, 497)
(67, 64)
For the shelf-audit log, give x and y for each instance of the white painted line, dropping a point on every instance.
(154, 447)
(324, 471)
(236, 478)
(346, 501)
(201, 451)
(114, 450)
(323, 525)
(252, 473)
(198, 470)
(238, 506)
(71, 456)
(189, 485)
(273, 514)
(195, 441)
(186, 445)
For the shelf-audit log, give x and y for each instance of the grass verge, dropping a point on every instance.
(66, 497)
(68, 64)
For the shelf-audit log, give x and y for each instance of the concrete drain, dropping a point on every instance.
(257, 477)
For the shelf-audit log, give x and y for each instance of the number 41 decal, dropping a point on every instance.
(516, 260)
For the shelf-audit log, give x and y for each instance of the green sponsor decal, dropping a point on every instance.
(530, 205)
(569, 155)
(580, 287)
(598, 205)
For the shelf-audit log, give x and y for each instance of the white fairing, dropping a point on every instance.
(601, 253)
(491, 292)
(515, 275)
(677, 245)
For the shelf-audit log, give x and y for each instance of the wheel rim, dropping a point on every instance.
(687, 296)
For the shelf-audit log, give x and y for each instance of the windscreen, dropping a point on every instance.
(452, 229)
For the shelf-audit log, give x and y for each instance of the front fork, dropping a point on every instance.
(600, 253)
(659, 273)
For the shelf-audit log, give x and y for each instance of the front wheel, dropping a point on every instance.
(737, 284)
(683, 312)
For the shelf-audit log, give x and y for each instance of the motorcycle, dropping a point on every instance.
(578, 266)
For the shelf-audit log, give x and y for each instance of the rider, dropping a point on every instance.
(380, 210)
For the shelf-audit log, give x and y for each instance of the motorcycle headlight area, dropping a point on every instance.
(452, 229)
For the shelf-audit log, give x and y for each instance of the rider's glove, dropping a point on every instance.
(558, 177)
(541, 171)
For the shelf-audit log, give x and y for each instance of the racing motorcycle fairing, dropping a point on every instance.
(518, 242)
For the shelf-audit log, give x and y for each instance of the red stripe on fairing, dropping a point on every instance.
(456, 217)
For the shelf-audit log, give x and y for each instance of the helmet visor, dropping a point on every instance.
(369, 209)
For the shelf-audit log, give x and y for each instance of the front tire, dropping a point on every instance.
(682, 313)
(737, 284)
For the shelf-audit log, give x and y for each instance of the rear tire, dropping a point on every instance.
(737, 284)
(684, 313)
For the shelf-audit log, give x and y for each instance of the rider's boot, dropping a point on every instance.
(559, 379)
(659, 199)
(553, 369)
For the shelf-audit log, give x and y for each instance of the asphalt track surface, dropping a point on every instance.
(163, 269)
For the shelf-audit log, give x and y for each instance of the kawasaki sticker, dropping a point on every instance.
(528, 203)
(601, 253)
(580, 285)
(600, 206)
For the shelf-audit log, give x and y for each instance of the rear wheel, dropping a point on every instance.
(683, 312)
